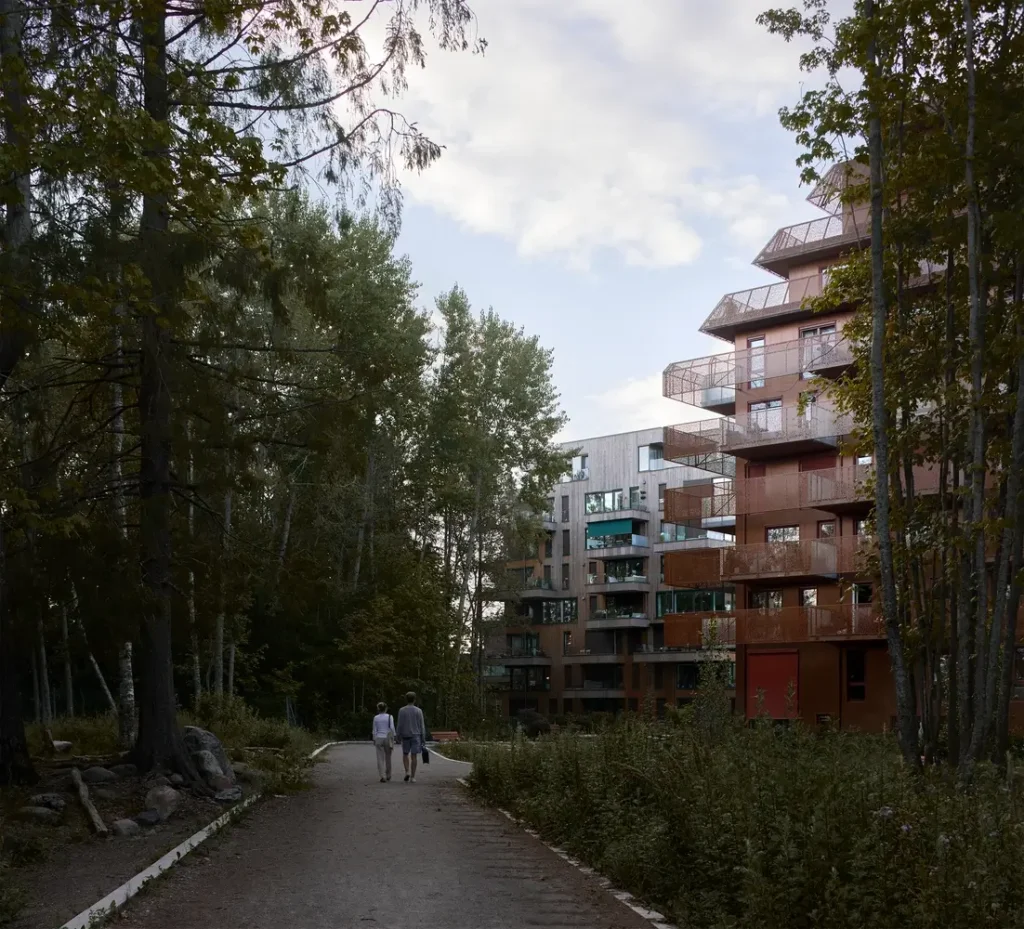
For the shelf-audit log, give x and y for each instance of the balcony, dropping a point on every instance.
(522, 657)
(618, 546)
(618, 619)
(714, 500)
(789, 625)
(633, 511)
(595, 690)
(580, 474)
(664, 655)
(802, 243)
(711, 382)
(782, 301)
(854, 553)
(785, 431)
(696, 567)
(698, 630)
(601, 654)
(609, 583)
(781, 560)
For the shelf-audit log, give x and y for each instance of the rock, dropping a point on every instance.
(39, 814)
(125, 827)
(61, 747)
(125, 770)
(177, 780)
(164, 800)
(207, 765)
(200, 740)
(50, 801)
(220, 782)
(98, 775)
(104, 793)
(157, 780)
(149, 818)
(231, 795)
(247, 774)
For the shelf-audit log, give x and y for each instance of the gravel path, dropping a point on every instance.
(355, 852)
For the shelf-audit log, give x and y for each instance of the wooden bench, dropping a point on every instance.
(445, 736)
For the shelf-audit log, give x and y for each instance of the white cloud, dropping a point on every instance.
(591, 125)
(631, 405)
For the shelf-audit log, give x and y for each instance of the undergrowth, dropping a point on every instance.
(12, 898)
(721, 825)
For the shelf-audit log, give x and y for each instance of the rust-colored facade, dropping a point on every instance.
(808, 641)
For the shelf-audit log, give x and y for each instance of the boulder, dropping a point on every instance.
(220, 782)
(207, 765)
(125, 770)
(149, 818)
(104, 793)
(125, 827)
(230, 795)
(98, 775)
(248, 775)
(163, 800)
(157, 780)
(177, 780)
(51, 801)
(39, 814)
(61, 747)
(201, 740)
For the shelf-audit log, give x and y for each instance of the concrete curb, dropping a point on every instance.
(656, 919)
(116, 899)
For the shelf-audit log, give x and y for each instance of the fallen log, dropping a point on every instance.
(95, 820)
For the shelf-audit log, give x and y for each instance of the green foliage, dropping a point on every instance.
(88, 735)
(767, 827)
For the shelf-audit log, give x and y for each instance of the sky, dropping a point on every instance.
(610, 171)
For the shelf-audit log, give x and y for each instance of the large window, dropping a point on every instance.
(603, 501)
(722, 600)
(809, 596)
(549, 546)
(565, 575)
(626, 569)
(782, 534)
(765, 415)
(816, 345)
(687, 675)
(635, 503)
(565, 508)
(579, 470)
(558, 612)
(527, 644)
(766, 599)
(566, 543)
(755, 353)
(530, 679)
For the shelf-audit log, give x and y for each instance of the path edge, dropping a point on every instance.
(656, 919)
(117, 898)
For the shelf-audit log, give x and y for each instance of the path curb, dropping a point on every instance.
(656, 919)
(117, 898)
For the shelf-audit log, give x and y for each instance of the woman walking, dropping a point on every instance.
(384, 741)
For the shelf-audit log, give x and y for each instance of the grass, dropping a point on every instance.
(723, 826)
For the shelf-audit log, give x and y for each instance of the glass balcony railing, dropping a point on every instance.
(612, 613)
(613, 579)
(616, 541)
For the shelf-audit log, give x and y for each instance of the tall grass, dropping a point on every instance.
(725, 826)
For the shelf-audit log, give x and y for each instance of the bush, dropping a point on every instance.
(88, 735)
(723, 825)
(12, 898)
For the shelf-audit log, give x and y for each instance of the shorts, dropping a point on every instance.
(412, 745)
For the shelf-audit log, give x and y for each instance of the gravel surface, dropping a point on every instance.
(355, 852)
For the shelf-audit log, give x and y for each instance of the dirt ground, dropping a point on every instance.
(79, 868)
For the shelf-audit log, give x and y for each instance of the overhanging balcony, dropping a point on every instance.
(696, 567)
(699, 445)
(635, 512)
(609, 583)
(522, 657)
(790, 625)
(783, 301)
(714, 500)
(593, 654)
(827, 237)
(781, 560)
(711, 382)
(786, 431)
(618, 619)
(699, 630)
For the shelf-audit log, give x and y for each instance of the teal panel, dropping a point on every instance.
(611, 527)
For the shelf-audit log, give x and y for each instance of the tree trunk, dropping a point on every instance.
(15, 762)
(126, 727)
(45, 702)
(37, 704)
(286, 529)
(364, 522)
(879, 416)
(218, 633)
(69, 679)
(160, 742)
(231, 669)
(197, 673)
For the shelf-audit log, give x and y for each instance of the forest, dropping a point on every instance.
(238, 458)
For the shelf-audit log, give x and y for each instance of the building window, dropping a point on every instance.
(593, 605)
(865, 460)
(765, 415)
(860, 527)
(808, 404)
(547, 575)
(565, 543)
(755, 355)
(549, 511)
(634, 498)
(661, 495)
(816, 345)
(549, 544)
(827, 529)
(809, 596)
(566, 643)
(766, 599)
(722, 600)
(856, 674)
(565, 508)
(863, 594)
(565, 575)
(651, 457)
(687, 676)
(603, 501)
(782, 534)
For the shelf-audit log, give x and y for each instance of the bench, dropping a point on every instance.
(445, 736)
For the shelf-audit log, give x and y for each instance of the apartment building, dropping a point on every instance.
(585, 614)
(808, 640)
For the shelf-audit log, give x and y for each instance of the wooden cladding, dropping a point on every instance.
(783, 626)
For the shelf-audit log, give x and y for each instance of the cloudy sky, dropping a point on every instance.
(607, 176)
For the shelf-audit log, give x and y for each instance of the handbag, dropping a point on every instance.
(426, 755)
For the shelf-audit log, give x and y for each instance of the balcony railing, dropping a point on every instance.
(712, 500)
(597, 651)
(696, 567)
(758, 303)
(582, 474)
(806, 558)
(612, 613)
(698, 630)
(785, 425)
(808, 624)
(700, 381)
(531, 652)
(625, 507)
(612, 579)
(536, 583)
(596, 543)
(835, 230)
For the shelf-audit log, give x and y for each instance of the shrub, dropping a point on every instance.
(723, 825)
(12, 898)
(88, 735)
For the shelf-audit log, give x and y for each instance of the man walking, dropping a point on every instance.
(384, 741)
(412, 730)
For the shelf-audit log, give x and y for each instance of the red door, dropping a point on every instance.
(771, 676)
